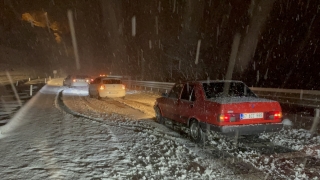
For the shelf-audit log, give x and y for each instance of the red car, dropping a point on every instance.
(228, 107)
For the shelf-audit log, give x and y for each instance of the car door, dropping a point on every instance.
(186, 104)
(171, 103)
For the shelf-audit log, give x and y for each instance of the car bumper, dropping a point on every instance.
(106, 93)
(244, 129)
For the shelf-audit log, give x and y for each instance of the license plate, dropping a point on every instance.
(251, 115)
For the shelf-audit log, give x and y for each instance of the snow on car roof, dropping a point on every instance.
(110, 78)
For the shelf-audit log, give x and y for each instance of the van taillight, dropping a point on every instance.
(123, 87)
(102, 87)
(227, 117)
(273, 115)
(74, 80)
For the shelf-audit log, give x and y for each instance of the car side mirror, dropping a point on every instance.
(164, 94)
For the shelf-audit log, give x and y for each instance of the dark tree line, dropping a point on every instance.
(176, 39)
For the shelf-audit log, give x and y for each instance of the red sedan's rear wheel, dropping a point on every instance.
(196, 133)
(159, 117)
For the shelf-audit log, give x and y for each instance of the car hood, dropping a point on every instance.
(228, 100)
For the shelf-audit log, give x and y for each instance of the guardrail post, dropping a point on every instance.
(236, 139)
(29, 79)
(206, 137)
(45, 80)
(31, 90)
(13, 88)
(315, 121)
(301, 93)
(17, 83)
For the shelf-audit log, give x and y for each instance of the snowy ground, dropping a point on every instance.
(63, 134)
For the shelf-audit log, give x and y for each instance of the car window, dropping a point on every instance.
(111, 81)
(188, 92)
(236, 89)
(175, 91)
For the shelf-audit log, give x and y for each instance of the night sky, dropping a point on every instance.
(278, 44)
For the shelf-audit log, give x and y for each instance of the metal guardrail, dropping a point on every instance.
(306, 98)
(149, 85)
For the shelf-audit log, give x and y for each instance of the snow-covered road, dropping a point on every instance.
(62, 134)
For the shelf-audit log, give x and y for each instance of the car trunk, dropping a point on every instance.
(247, 110)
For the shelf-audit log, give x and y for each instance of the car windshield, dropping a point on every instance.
(227, 89)
(111, 81)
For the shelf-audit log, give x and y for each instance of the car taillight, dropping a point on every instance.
(273, 115)
(227, 117)
(102, 87)
(123, 87)
(74, 80)
(91, 80)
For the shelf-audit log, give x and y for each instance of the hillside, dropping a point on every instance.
(17, 63)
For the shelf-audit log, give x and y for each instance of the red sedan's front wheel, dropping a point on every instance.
(196, 133)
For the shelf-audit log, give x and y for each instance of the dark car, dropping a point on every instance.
(76, 80)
